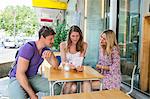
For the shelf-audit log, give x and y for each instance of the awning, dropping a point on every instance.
(52, 4)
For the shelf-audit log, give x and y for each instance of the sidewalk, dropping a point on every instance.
(4, 88)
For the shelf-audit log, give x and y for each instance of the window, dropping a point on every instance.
(128, 38)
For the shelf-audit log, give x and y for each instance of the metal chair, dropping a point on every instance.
(132, 80)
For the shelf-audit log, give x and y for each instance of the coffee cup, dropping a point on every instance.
(66, 67)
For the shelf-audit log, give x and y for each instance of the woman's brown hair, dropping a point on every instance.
(79, 45)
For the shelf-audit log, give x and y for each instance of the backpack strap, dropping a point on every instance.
(31, 43)
(15, 62)
(18, 50)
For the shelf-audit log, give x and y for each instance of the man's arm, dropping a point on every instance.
(22, 67)
(53, 60)
(50, 57)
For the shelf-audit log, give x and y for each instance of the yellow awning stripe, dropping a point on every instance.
(53, 4)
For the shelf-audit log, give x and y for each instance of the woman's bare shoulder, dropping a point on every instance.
(85, 44)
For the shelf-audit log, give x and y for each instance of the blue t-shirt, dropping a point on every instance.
(30, 52)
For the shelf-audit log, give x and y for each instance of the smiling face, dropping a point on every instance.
(49, 40)
(103, 40)
(75, 37)
(46, 35)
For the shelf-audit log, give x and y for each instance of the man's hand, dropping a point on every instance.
(46, 54)
(34, 97)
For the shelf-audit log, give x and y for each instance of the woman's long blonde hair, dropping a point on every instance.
(111, 41)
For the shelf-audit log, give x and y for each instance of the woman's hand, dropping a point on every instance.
(72, 66)
(80, 68)
(99, 66)
(102, 67)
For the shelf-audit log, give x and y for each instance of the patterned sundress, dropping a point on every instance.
(113, 76)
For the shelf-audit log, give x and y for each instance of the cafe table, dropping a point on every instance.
(104, 94)
(59, 75)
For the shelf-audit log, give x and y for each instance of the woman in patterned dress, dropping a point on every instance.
(109, 61)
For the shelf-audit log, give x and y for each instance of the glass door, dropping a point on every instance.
(128, 38)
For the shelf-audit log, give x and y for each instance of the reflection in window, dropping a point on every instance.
(128, 38)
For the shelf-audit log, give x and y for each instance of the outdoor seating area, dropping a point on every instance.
(69, 76)
(75, 49)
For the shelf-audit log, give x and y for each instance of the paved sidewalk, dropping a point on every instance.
(4, 88)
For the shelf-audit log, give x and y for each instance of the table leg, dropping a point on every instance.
(101, 85)
(80, 86)
(50, 88)
(63, 84)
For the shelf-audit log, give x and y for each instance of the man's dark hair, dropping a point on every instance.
(46, 31)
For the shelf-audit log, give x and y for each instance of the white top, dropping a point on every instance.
(74, 59)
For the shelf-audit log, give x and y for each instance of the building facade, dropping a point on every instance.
(125, 17)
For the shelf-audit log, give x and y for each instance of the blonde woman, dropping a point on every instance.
(71, 50)
(109, 61)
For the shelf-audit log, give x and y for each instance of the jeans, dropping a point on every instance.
(38, 84)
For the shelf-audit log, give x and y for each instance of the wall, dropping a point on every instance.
(4, 69)
(143, 10)
(94, 28)
(145, 55)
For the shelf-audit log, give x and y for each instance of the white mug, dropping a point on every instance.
(66, 67)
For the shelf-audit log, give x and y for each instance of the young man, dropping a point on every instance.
(24, 80)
